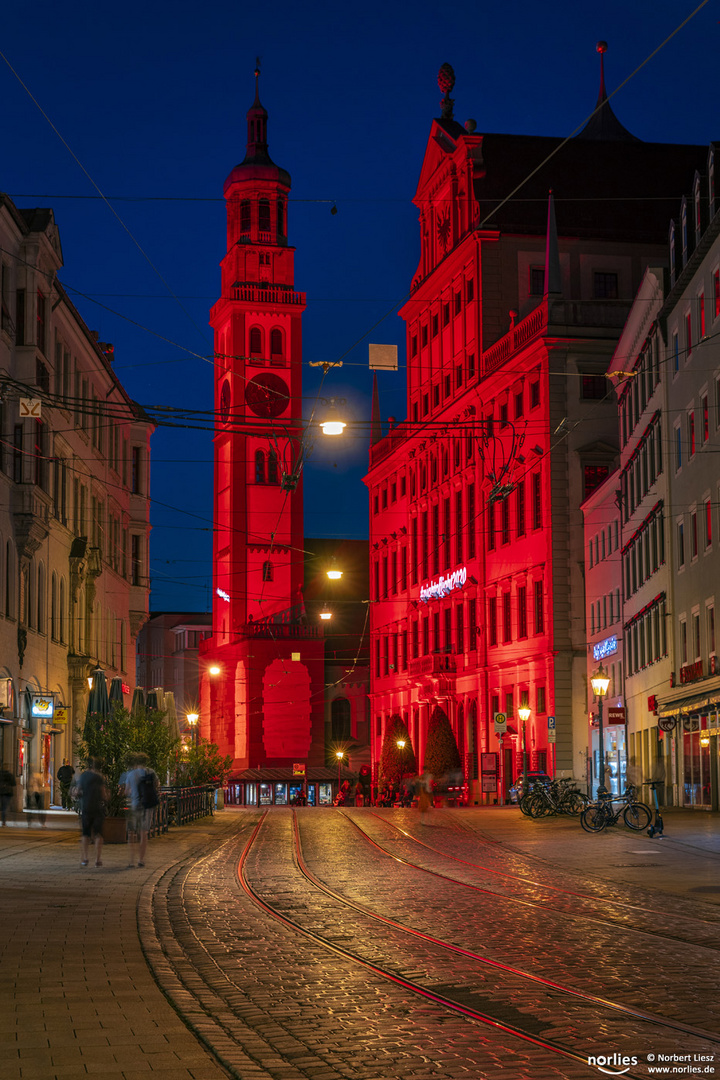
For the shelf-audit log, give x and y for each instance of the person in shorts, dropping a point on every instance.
(139, 817)
(92, 792)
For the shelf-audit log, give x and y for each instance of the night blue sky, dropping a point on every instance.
(152, 99)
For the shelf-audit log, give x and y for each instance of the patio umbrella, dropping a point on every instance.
(116, 693)
(151, 703)
(171, 715)
(138, 701)
(98, 707)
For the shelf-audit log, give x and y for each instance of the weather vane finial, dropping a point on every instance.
(257, 74)
(446, 81)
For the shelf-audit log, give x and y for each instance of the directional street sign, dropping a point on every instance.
(500, 723)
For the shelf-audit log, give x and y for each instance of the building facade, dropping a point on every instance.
(167, 657)
(74, 523)
(477, 552)
(603, 628)
(666, 372)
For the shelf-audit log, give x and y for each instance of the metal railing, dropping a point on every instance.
(179, 805)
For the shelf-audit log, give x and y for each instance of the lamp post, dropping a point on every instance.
(401, 748)
(600, 683)
(192, 718)
(524, 714)
(339, 754)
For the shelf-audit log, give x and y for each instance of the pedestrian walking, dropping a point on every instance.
(36, 797)
(424, 790)
(141, 789)
(66, 775)
(7, 786)
(93, 794)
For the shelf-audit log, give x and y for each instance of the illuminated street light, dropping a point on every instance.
(214, 670)
(192, 718)
(600, 683)
(524, 714)
(332, 424)
(325, 615)
(339, 754)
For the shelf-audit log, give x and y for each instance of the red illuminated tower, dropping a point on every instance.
(264, 705)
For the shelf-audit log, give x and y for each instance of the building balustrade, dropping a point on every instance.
(434, 664)
(267, 294)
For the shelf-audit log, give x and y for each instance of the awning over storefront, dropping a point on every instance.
(709, 700)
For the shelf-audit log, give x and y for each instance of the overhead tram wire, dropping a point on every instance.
(102, 196)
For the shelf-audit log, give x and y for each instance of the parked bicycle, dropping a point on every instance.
(598, 815)
(553, 797)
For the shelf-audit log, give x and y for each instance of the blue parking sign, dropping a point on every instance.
(551, 723)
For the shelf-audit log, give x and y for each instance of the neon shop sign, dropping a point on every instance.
(443, 585)
(605, 648)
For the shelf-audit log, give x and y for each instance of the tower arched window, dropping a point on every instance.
(264, 215)
(340, 719)
(259, 466)
(280, 217)
(276, 343)
(273, 475)
(267, 571)
(256, 341)
(245, 216)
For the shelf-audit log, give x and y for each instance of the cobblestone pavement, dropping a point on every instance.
(219, 973)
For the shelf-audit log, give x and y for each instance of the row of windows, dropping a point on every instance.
(388, 493)
(640, 389)
(688, 544)
(391, 573)
(645, 552)
(499, 513)
(697, 431)
(601, 545)
(507, 699)
(701, 210)
(605, 283)
(420, 337)
(445, 388)
(504, 625)
(443, 536)
(643, 469)
(694, 641)
(605, 611)
(646, 637)
(46, 610)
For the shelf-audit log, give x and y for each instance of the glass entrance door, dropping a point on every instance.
(697, 788)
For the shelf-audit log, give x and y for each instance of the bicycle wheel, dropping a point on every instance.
(574, 804)
(637, 816)
(525, 803)
(538, 806)
(593, 818)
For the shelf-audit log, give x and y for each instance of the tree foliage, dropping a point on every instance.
(121, 734)
(202, 763)
(442, 756)
(394, 762)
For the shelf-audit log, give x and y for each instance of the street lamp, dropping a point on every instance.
(600, 683)
(401, 747)
(192, 718)
(339, 754)
(214, 670)
(524, 714)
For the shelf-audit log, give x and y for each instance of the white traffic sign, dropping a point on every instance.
(30, 407)
(500, 723)
(551, 736)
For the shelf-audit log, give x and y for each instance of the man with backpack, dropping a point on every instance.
(142, 791)
(91, 790)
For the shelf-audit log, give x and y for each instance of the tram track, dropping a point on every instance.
(454, 1003)
(520, 901)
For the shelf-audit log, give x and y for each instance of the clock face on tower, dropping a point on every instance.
(267, 394)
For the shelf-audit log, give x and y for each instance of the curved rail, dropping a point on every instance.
(525, 903)
(406, 984)
(593, 999)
